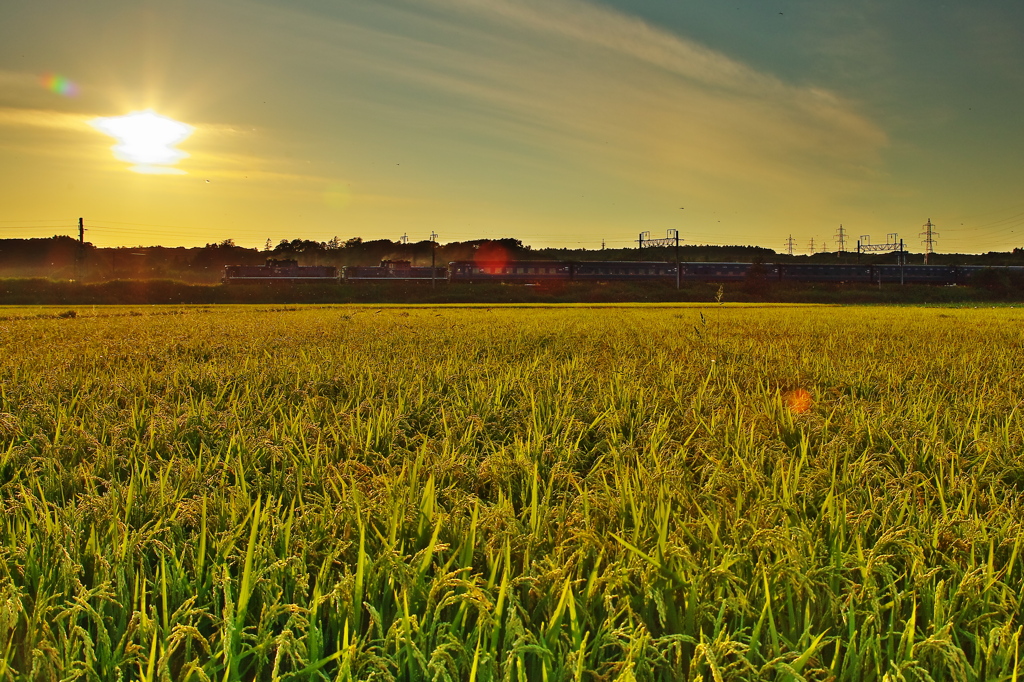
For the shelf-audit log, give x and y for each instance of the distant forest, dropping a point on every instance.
(62, 257)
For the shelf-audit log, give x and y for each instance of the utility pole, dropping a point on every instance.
(865, 240)
(678, 269)
(433, 252)
(841, 237)
(929, 240)
(679, 263)
(679, 266)
(903, 259)
(790, 244)
(892, 243)
(81, 249)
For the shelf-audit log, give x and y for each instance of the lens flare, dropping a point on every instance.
(492, 254)
(58, 84)
(798, 400)
(146, 139)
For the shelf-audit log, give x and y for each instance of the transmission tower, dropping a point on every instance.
(841, 238)
(790, 244)
(810, 247)
(928, 237)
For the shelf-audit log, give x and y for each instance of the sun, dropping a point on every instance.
(146, 139)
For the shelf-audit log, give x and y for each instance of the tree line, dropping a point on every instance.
(62, 257)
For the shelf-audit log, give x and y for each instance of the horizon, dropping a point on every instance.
(325, 244)
(569, 122)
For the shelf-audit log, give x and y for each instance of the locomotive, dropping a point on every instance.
(280, 271)
(394, 270)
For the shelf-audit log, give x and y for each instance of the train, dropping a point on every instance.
(280, 271)
(394, 270)
(540, 271)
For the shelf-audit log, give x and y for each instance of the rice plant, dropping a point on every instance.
(648, 493)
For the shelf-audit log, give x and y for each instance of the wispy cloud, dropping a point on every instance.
(17, 80)
(44, 118)
(569, 83)
(761, 104)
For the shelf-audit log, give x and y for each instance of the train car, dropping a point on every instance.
(719, 272)
(391, 270)
(536, 271)
(277, 271)
(916, 274)
(966, 273)
(623, 270)
(509, 271)
(824, 272)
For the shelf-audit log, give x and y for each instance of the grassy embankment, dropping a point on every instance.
(340, 493)
(163, 292)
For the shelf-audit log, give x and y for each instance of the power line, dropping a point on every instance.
(124, 232)
(995, 233)
(1015, 216)
(35, 227)
(48, 220)
(172, 227)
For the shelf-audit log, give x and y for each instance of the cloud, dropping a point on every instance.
(18, 79)
(44, 118)
(586, 22)
(539, 109)
(566, 86)
(756, 105)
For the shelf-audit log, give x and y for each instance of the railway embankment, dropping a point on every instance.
(162, 292)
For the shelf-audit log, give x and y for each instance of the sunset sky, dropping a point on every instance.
(560, 122)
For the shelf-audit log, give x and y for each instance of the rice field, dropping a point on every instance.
(627, 493)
